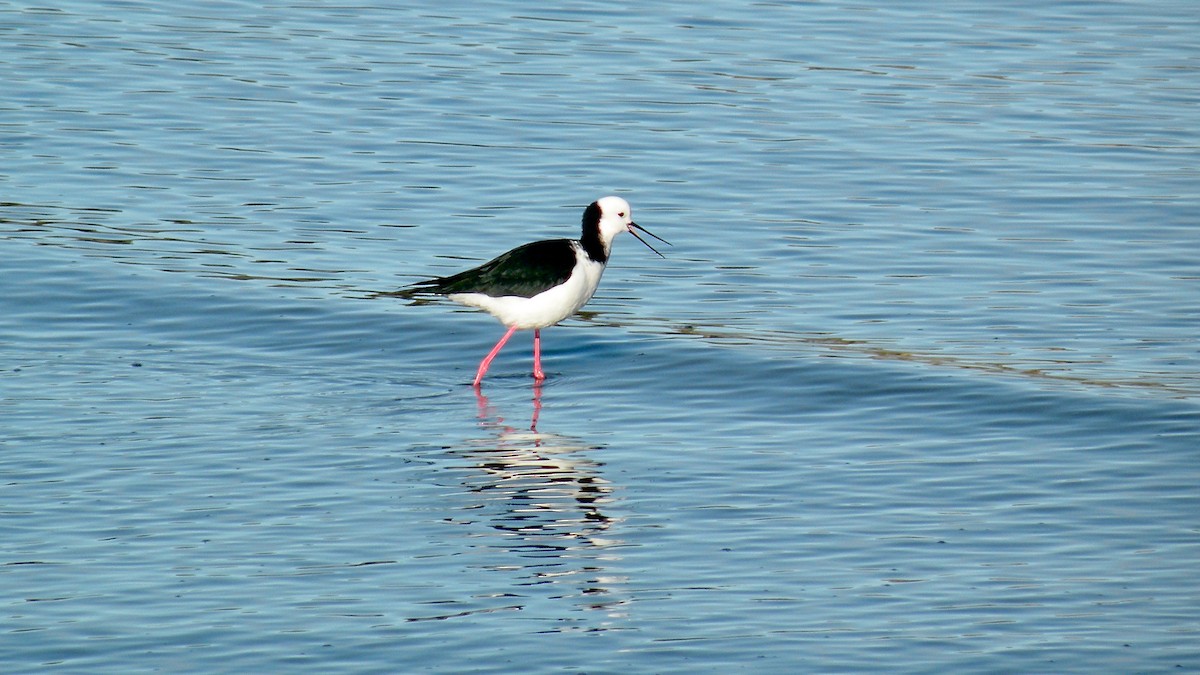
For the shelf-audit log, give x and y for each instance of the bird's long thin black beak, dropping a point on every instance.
(633, 229)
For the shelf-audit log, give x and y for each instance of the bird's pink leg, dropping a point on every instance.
(537, 355)
(487, 360)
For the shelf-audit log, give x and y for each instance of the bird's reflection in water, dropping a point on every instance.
(545, 497)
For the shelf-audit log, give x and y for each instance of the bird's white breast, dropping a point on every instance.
(548, 307)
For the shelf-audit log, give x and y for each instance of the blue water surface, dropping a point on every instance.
(915, 389)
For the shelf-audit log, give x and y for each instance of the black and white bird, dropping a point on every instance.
(541, 283)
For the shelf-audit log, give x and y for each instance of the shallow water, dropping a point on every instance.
(916, 386)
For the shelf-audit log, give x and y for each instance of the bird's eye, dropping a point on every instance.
(621, 214)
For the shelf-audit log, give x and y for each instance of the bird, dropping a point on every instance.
(539, 284)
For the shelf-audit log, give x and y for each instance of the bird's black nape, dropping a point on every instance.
(590, 237)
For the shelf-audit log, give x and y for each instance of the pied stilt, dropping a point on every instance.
(543, 282)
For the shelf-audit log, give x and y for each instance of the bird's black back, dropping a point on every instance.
(524, 271)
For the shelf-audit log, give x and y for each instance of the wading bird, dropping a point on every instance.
(541, 283)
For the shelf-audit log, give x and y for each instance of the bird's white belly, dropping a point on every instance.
(546, 308)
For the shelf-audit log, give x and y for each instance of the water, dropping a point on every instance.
(916, 387)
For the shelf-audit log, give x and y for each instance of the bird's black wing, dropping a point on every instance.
(524, 271)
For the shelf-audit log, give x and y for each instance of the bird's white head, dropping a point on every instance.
(615, 217)
(611, 216)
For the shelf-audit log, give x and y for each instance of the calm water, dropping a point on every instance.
(917, 388)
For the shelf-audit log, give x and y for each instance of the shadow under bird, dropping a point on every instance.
(541, 283)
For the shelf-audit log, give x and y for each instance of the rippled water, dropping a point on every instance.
(916, 387)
